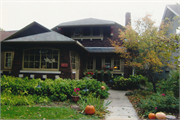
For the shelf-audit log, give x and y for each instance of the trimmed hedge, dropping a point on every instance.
(57, 90)
(129, 83)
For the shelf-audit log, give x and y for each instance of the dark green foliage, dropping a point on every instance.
(129, 83)
(102, 75)
(109, 75)
(171, 84)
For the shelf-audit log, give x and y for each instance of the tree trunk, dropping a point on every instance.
(152, 79)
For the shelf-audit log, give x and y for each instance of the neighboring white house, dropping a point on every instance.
(172, 13)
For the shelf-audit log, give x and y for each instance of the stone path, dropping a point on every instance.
(120, 107)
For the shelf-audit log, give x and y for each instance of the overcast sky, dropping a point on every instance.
(17, 14)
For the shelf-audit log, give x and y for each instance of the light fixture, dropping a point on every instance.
(115, 67)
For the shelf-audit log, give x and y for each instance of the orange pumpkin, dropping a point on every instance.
(152, 116)
(89, 109)
(160, 115)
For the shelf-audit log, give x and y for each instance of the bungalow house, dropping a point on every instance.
(67, 50)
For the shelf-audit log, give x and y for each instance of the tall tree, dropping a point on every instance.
(147, 47)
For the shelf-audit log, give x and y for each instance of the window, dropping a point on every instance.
(86, 31)
(8, 59)
(96, 31)
(41, 59)
(117, 64)
(98, 63)
(77, 31)
(108, 62)
(90, 63)
(178, 31)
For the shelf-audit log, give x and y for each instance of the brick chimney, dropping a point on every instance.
(128, 18)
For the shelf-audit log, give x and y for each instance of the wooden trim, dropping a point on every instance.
(38, 71)
(70, 63)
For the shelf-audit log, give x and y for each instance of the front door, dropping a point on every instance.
(75, 60)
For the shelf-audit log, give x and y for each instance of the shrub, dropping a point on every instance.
(159, 102)
(171, 84)
(11, 99)
(129, 83)
(57, 90)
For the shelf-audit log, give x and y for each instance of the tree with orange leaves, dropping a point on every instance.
(147, 47)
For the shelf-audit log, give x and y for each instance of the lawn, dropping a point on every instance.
(58, 110)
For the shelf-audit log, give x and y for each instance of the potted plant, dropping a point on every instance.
(75, 95)
(103, 68)
(88, 75)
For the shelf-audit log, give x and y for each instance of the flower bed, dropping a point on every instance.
(165, 100)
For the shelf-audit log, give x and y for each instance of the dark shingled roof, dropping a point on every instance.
(86, 22)
(5, 34)
(50, 36)
(101, 49)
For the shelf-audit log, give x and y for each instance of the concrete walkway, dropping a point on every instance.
(120, 107)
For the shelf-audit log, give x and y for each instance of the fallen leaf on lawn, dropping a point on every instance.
(71, 116)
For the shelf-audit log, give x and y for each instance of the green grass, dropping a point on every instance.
(36, 112)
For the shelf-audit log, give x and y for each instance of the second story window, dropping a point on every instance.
(96, 31)
(77, 31)
(86, 31)
(89, 33)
